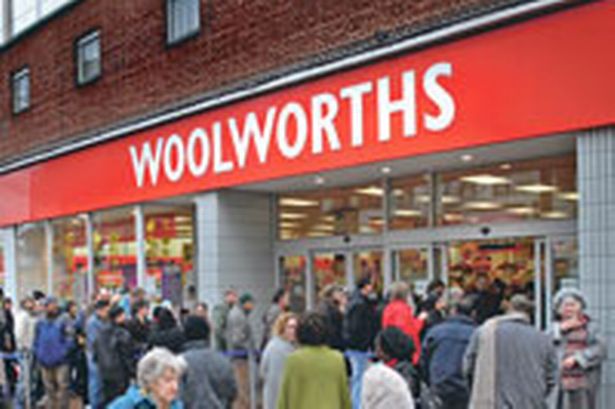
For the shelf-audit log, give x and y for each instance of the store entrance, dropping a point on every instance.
(537, 266)
(495, 270)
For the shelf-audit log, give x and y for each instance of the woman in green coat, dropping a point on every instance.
(314, 375)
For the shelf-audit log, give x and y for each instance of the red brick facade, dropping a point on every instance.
(239, 40)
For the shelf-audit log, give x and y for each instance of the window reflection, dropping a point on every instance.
(169, 249)
(410, 200)
(509, 192)
(330, 212)
(31, 259)
(114, 249)
(70, 260)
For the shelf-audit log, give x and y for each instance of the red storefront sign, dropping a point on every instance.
(547, 75)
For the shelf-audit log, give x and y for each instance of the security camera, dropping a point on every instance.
(485, 230)
(346, 239)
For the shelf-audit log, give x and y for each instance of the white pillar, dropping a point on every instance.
(9, 238)
(89, 238)
(140, 239)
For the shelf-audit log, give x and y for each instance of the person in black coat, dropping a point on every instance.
(166, 332)
(114, 355)
(139, 326)
(329, 307)
(8, 344)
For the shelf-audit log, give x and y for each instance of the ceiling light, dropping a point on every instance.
(296, 202)
(453, 217)
(371, 191)
(422, 198)
(486, 179)
(376, 221)
(408, 213)
(398, 192)
(506, 166)
(323, 226)
(365, 230)
(329, 218)
(536, 188)
(293, 216)
(446, 199)
(522, 210)
(482, 205)
(449, 199)
(317, 234)
(572, 196)
(286, 234)
(289, 225)
(319, 180)
(554, 214)
(386, 170)
(467, 158)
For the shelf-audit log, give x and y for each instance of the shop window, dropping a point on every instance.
(21, 90)
(169, 236)
(31, 259)
(70, 259)
(89, 60)
(542, 189)
(114, 249)
(183, 19)
(410, 203)
(331, 212)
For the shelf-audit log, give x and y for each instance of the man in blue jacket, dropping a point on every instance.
(444, 347)
(53, 342)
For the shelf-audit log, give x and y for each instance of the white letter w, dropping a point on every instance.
(147, 160)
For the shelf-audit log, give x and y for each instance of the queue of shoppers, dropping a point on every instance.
(359, 350)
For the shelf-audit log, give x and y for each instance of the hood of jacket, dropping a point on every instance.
(138, 399)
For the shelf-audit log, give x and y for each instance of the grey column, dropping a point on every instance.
(235, 247)
(596, 181)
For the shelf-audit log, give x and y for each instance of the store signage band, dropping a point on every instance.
(315, 128)
(537, 78)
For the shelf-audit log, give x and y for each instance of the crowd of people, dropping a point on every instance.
(359, 350)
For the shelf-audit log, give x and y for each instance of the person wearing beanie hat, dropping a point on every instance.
(114, 355)
(208, 381)
(581, 350)
(241, 344)
(383, 385)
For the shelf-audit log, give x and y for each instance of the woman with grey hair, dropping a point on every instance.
(581, 351)
(158, 377)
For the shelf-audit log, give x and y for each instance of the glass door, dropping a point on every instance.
(369, 264)
(292, 277)
(329, 267)
(411, 265)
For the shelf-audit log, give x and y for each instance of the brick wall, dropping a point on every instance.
(239, 39)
